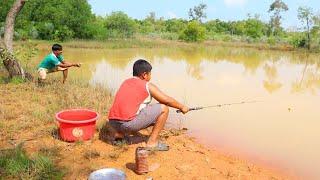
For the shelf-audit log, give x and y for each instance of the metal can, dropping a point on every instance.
(141, 161)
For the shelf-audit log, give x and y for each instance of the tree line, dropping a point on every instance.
(74, 19)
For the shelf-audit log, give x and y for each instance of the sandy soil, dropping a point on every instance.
(186, 159)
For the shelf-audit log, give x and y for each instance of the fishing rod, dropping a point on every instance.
(218, 105)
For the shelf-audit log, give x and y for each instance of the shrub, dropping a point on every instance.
(271, 40)
(193, 32)
(298, 41)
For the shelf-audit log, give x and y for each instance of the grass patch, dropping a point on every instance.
(4, 80)
(17, 80)
(15, 164)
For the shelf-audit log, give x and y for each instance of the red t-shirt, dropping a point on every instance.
(131, 94)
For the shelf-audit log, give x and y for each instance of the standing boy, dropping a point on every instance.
(131, 110)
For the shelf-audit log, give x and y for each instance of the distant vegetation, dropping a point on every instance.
(61, 20)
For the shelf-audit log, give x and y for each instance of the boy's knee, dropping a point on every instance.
(42, 75)
(164, 108)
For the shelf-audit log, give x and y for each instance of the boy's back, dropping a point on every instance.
(128, 99)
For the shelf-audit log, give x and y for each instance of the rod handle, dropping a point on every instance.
(190, 109)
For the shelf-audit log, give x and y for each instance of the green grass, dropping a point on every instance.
(3, 80)
(15, 164)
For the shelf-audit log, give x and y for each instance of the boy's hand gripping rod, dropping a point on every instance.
(217, 105)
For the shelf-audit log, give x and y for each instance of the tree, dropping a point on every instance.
(5, 6)
(316, 20)
(52, 19)
(254, 27)
(305, 15)
(174, 25)
(151, 17)
(119, 25)
(56, 19)
(217, 26)
(10, 62)
(197, 13)
(315, 31)
(277, 7)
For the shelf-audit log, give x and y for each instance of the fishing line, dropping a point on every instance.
(219, 105)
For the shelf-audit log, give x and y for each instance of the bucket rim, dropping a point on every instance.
(76, 122)
(102, 173)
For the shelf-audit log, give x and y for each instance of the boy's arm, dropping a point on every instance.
(165, 99)
(65, 64)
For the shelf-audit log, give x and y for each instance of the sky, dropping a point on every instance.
(216, 9)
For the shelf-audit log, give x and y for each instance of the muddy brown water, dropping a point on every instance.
(281, 131)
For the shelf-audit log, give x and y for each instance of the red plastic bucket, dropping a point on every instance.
(76, 124)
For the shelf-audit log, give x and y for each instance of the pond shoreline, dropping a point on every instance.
(157, 43)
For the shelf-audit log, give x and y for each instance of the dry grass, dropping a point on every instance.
(34, 105)
(27, 112)
(145, 42)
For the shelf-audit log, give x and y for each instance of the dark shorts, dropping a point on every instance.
(147, 117)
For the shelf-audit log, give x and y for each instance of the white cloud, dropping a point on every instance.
(232, 3)
(172, 15)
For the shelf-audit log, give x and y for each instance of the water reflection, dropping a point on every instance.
(310, 81)
(271, 84)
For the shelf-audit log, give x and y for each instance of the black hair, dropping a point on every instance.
(141, 66)
(56, 47)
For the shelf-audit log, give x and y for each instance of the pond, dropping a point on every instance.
(281, 130)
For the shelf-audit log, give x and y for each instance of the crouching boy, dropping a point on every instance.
(131, 110)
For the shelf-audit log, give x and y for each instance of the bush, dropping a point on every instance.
(271, 40)
(193, 32)
(146, 27)
(298, 41)
(21, 34)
